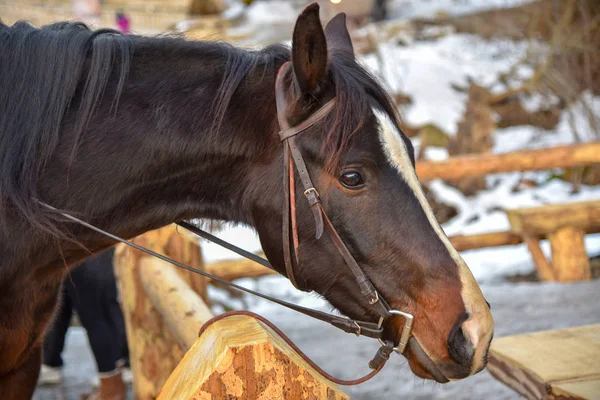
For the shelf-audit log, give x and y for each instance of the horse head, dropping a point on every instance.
(364, 167)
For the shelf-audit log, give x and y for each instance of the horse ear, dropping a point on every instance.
(338, 36)
(309, 51)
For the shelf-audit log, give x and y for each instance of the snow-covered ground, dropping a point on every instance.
(408, 9)
(517, 308)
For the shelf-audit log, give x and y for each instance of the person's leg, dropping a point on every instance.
(94, 295)
(54, 340)
(94, 299)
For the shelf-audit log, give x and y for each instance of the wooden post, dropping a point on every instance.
(543, 266)
(180, 306)
(569, 258)
(154, 351)
(239, 358)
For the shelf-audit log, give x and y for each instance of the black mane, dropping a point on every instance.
(41, 70)
(44, 72)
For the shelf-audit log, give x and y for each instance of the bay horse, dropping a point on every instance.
(133, 133)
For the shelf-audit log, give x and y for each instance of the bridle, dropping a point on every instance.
(292, 157)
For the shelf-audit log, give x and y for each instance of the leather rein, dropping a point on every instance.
(293, 158)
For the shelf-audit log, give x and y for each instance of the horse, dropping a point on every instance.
(133, 133)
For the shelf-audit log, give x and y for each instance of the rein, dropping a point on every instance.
(359, 328)
(293, 158)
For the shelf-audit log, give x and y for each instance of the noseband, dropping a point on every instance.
(292, 157)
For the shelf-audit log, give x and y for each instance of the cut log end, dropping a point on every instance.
(238, 357)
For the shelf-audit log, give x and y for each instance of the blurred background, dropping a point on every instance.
(485, 77)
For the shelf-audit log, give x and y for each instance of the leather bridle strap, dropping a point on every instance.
(292, 153)
(292, 157)
(359, 328)
(375, 364)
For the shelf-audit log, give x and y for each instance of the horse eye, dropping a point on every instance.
(352, 180)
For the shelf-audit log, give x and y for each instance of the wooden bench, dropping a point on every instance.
(557, 364)
(565, 226)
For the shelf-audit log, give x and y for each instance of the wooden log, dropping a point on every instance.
(242, 268)
(154, 352)
(542, 265)
(549, 218)
(493, 239)
(460, 167)
(182, 309)
(557, 364)
(238, 268)
(239, 358)
(206, 7)
(569, 257)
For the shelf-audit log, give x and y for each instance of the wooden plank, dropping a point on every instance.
(238, 357)
(549, 364)
(460, 167)
(589, 389)
(546, 219)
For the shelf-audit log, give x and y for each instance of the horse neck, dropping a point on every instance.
(164, 156)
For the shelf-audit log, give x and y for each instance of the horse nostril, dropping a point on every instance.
(459, 346)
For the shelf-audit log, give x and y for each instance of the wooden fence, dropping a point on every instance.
(236, 357)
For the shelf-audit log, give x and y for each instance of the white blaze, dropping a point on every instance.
(479, 327)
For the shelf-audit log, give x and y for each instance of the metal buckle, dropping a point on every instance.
(375, 299)
(406, 330)
(312, 189)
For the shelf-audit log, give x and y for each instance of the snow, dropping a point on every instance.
(409, 9)
(429, 71)
(244, 237)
